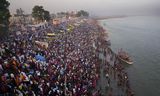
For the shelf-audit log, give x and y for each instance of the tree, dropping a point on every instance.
(46, 15)
(4, 17)
(53, 15)
(19, 12)
(40, 14)
(82, 13)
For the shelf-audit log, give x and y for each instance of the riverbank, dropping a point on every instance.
(113, 76)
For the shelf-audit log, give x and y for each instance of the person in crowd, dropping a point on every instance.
(68, 67)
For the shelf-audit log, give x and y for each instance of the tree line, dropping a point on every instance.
(4, 18)
(38, 13)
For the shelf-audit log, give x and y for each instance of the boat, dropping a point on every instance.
(124, 57)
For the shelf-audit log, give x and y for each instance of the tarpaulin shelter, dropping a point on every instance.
(40, 57)
(50, 34)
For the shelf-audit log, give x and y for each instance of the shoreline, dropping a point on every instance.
(110, 54)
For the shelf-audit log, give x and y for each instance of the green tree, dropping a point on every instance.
(4, 18)
(37, 13)
(47, 16)
(40, 14)
(82, 13)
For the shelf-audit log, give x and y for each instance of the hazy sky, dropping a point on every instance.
(95, 7)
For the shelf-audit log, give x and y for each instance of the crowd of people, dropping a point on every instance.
(115, 72)
(69, 66)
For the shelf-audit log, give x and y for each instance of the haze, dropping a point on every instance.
(95, 7)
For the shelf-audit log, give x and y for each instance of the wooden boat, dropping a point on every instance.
(125, 61)
(124, 57)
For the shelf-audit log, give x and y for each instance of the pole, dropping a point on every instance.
(65, 57)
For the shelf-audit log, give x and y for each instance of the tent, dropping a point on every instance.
(50, 34)
(40, 57)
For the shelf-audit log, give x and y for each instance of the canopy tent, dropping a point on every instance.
(70, 28)
(40, 58)
(51, 34)
(61, 31)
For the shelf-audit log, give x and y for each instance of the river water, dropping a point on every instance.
(140, 37)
